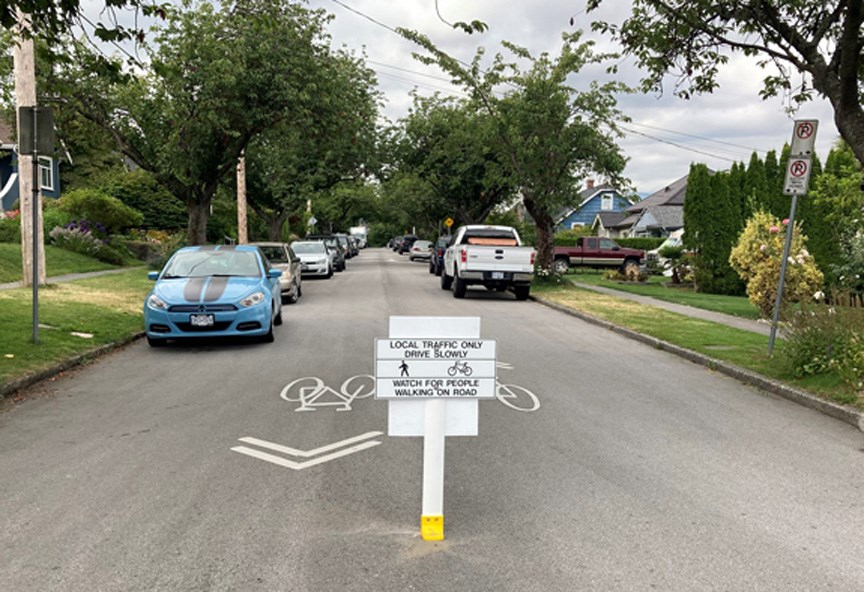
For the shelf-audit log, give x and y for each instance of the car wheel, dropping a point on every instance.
(153, 342)
(278, 320)
(561, 265)
(446, 281)
(438, 270)
(269, 337)
(293, 298)
(521, 292)
(459, 287)
(431, 268)
(329, 272)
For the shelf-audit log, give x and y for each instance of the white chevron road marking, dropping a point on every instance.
(290, 464)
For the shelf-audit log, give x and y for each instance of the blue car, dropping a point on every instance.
(211, 291)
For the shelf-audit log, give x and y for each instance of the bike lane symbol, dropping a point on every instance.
(312, 393)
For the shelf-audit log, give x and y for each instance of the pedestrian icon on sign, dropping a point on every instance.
(404, 368)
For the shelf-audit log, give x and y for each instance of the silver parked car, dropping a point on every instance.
(315, 258)
(282, 257)
(421, 249)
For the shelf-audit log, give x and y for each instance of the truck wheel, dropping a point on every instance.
(446, 281)
(561, 265)
(521, 292)
(459, 287)
(630, 267)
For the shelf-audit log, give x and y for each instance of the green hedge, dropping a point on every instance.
(641, 242)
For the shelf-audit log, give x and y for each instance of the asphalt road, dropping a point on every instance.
(638, 470)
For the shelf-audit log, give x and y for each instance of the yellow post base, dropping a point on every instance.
(432, 528)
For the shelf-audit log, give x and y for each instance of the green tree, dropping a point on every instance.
(313, 149)
(552, 136)
(813, 46)
(216, 79)
(451, 145)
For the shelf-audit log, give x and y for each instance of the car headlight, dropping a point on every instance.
(252, 299)
(155, 302)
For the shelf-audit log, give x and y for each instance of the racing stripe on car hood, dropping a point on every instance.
(215, 288)
(193, 288)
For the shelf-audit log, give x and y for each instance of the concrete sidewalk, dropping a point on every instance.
(761, 327)
(71, 277)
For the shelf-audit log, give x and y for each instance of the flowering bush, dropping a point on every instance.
(757, 260)
(822, 338)
(10, 226)
(547, 276)
(76, 239)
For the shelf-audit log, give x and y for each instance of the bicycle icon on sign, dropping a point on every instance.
(461, 367)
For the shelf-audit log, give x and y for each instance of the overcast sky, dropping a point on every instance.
(730, 124)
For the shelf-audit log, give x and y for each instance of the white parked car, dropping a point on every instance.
(315, 258)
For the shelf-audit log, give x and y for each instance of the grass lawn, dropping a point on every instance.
(743, 348)
(738, 306)
(57, 262)
(108, 307)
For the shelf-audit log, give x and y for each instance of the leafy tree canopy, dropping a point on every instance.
(811, 45)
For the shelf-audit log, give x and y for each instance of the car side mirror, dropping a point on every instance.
(153, 275)
(274, 274)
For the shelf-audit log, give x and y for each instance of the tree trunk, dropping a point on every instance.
(274, 226)
(199, 214)
(545, 235)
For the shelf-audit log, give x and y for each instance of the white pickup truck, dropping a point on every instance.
(491, 256)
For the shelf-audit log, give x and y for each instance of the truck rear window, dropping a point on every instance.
(491, 241)
(493, 237)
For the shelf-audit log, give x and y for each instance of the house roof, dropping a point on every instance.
(671, 195)
(627, 222)
(668, 217)
(610, 219)
(584, 197)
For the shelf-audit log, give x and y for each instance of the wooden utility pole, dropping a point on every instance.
(28, 195)
(242, 225)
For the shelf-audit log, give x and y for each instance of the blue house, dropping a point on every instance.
(592, 201)
(49, 171)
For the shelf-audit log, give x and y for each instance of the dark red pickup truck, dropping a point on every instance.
(593, 251)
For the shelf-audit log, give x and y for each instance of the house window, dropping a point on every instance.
(46, 174)
(606, 202)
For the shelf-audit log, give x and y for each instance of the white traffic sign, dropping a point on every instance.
(435, 367)
(804, 137)
(797, 176)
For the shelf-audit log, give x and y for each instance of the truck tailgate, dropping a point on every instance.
(483, 258)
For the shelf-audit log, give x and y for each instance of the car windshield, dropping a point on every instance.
(212, 262)
(308, 248)
(274, 254)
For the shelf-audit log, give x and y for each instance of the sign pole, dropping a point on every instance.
(432, 517)
(786, 248)
(796, 183)
(35, 206)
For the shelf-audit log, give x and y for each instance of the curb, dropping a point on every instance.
(9, 388)
(850, 416)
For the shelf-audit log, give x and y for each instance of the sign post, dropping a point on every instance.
(796, 183)
(432, 371)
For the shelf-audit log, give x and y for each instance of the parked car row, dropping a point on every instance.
(235, 290)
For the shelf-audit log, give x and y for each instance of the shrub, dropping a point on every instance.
(568, 238)
(53, 216)
(10, 227)
(101, 208)
(75, 239)
(757, 260)
(140, 191)
(823, 338)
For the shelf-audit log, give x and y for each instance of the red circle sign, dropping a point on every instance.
(804, 130)
(798, 168)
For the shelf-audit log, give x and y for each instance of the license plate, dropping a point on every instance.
(497, 275)
(201, 320)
